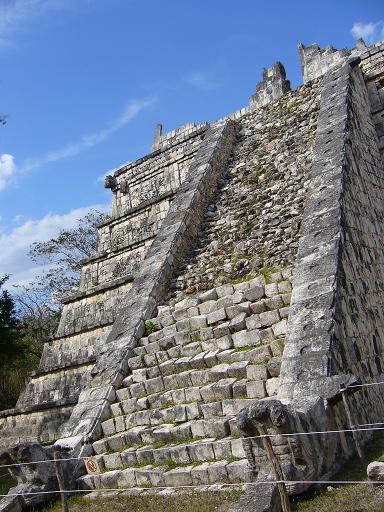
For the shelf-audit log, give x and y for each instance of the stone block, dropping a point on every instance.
(255, 293)
(217, 472)
(109, 427)
(258, 307)
(280, 328)
(239, 389)
(134, 363)
(179, 454)
(199, 474)
(137, 390)
(257, 281)
(216, 427)
(238, 471)
(257, 372)
(253, 322)
(180, 338)
(256, 389)
(223, 329)
(100, 446)
(127, 478)
(225, 302)
(272, 386)
(154, 385)
(269, 318)
(222, 449)
(225, 289)
(192, 394)
(183, 325)
(128, 457)
(211, 410)
(208, 295)
(284, 287)
(198, 428)
(223, 389)
(188, 302)
(206, 333)
(216, 316)
(139, 375)
(198, 322)
(233, 311)
(238, 323)
(192, 349)
(180, 314)
(238, 449)
(284, 312)
(207, 307)
(220, 371)
(201, 452)
(238, 370)
(207, 393)
(178, 477)
(271, 289)
(246, 338)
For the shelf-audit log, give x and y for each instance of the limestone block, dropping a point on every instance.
(284, 287)
(223, 388)
(178, 396)
(216, 427)
(211, 410)
(255, 293)
(180, 314)
(280, 328)
(127, 478)
(208, 295)
(183, 325)
(220, 371)
(272, 386)
(100, 446)
(271, 289)
(109, 427)
(192, 349)
(253, 322)
(137, 390)
(233, 407)
(284, 312)
(154, 371)
(238, 449)
(216, 316)
(225, 302)
(210, 358)
(266, 335)
(193, 411)
(166, 320)
(238, 323)
(188, 302)
(207, 307)
(201, 452)
(269, 318)
(239, 388)
(128, 457)
(161, 456)
(117, 442)
(207, 393)
(180, 338)
(167, 368)
(225, 289)
(144, 455)
(154, 385)
(217, 472)
(192, 394)
(238, 370)
(199, 474)
(169, 330)
(198, 361)
(150, 360)
(233, 311)
(206, 333)
(274, 365)
(274, 302)
(179, 454)
(224, 342)
(258, 307)
(109, 479)
(238, 297)
(120, 424)
(193, 311)
(241, 287)
(178, 477)
(238, 471)
(257, 372)
(134, 363)
(116, 409)
(139, 375)
(257, 281)
(198, 322)
(198, 428)
(223, 329)
(246, 338)
(112, 461)
(256, 389)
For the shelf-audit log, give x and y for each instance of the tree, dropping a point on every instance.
(64, 254)
(8, 323)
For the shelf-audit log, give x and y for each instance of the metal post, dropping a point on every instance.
(276, 467)
(60, 479)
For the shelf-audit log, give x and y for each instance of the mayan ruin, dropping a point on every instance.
(237, 291)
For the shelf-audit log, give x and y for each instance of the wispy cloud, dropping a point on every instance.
(7, 169)
(132, 109)
(15, 14)
(370, 32)
(14, 246)
(202, 81)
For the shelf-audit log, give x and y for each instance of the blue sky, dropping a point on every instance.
(84, 83)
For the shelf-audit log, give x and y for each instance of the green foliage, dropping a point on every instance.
(150, 327)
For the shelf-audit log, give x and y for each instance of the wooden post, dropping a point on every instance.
(275, 463)
(60, 479)
(350, 423)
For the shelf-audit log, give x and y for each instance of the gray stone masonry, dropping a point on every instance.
(273, 86)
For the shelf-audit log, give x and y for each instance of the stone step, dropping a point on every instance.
(205, 450)
(136, 436)
(219, 402)
(152, 476)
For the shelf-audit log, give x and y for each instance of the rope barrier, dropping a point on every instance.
(261, 482)
(291, 434)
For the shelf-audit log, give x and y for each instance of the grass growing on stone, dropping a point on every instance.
(191, 502)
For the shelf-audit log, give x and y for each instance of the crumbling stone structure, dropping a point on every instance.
(237, 288)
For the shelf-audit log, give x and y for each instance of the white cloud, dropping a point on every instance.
(370, 32)
(132, 109)
(202, 81)
(7, 169)
(14, 246)
(16, 14)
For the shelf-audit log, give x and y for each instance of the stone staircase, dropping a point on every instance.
(209, 356)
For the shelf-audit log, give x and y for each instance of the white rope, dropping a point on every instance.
(292, 434)
(261, 482)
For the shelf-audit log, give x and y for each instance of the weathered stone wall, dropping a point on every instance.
(255, 218)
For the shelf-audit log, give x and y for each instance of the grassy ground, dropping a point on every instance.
(348, 498)
(193, 502)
